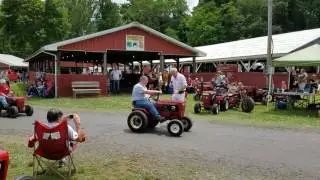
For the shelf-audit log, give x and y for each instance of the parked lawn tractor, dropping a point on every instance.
(203, 86)
(16, 104)
(241, 100)
(258, 94)
(213, 101)
(140, 119)
(4, 165)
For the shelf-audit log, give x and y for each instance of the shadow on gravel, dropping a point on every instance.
(160, 131)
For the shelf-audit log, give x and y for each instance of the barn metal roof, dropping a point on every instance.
(256, 48)
(53, 47)
(12, 61)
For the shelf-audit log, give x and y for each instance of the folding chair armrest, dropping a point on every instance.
(31, 141)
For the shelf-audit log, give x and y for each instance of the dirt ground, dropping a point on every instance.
(275, 154)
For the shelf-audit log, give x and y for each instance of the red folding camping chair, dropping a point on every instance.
(4, 162)
(52, 145)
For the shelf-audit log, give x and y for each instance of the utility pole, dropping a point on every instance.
(269, 57)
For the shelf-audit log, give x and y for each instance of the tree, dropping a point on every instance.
(166, 16)
(108, 15)
(211, 24)
(55, 22)
(21, 22)
(81, 13)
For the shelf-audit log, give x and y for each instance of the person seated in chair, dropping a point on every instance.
(55, 116)
(140, 100)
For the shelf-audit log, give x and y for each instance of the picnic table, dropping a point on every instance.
(303, 99)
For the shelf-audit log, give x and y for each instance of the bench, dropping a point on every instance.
(85, 87)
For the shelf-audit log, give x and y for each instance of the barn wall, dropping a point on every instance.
(117, 41)
(65, 80)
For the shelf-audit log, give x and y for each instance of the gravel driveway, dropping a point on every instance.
(270, 151)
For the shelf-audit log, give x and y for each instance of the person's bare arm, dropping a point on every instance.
(152, 92)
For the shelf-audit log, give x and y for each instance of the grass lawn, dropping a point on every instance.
(261, 116)
(94, 165)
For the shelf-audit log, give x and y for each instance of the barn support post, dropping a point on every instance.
(161, 62)
(151, 66)
(194, 65)
(56, 72)
(178, 64)
(105, 72)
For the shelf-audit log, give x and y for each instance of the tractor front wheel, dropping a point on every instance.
(197, 108)
(215, 109)
(175, 128)
(28, 110)
(225, 104)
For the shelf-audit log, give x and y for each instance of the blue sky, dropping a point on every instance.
(191, 3)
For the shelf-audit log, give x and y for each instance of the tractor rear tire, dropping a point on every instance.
(187, 123)
(28, 110)
(13, 111)
(225, 105)
(247, 104)
(215, 109)
(137, 121)
(175, 128)
(197, 108)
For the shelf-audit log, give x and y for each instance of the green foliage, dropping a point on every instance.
(55, 21)
(108, 15)
(80, 14)
(26, 25)
(165, 16)
(19, 89)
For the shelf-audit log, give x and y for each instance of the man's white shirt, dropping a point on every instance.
(178, 83)
(116, 74)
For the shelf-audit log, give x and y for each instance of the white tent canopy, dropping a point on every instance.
(253, 48)
(12, 61)
(309, 56)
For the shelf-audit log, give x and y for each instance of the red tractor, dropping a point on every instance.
(213, 101)
(140, 119)
(258, 94)
(241, 100)
(4, 165)
(201, 87)
(16, 104)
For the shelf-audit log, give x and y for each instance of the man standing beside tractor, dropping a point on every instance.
(179, 84)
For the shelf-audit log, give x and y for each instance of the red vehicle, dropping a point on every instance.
(213, 101)
(140, 119)
(242, 100)
(4, 164)
(16, 104)
(201, 87)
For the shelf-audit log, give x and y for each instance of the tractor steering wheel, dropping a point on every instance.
(153, 98)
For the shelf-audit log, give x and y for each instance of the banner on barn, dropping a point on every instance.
(135, 43)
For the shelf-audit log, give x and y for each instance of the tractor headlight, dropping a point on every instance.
(173, 108)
